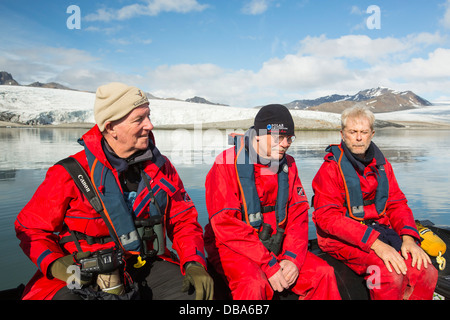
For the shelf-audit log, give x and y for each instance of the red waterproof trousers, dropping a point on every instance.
(385, 285)
(247, 281)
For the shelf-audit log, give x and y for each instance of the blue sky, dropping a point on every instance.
(242, 53)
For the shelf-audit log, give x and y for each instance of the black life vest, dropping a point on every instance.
(252, 211)
(353, 195)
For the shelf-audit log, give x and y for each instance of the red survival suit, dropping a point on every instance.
(59, 205)
(348, 237)
(233, 245)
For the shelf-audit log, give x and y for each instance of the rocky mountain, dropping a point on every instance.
(7, 79)
(202, 100)
(378, 100)
(51, 85)
(305, 104)
(192, 100)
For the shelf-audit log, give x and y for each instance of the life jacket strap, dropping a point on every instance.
(150, 191)
(81, 236)
(354, 201)
(265, 209)
(252, 210)
(365, 202)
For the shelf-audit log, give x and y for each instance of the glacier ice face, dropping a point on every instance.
(30, 105)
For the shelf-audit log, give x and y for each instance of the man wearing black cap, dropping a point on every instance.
(257, 235)
(273, 121)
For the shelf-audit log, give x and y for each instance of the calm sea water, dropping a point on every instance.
(418, 157)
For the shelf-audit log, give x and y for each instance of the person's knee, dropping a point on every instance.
(251, 286)
(325, 269)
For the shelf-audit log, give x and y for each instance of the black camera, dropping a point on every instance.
(266, 232)
(273, 243)
(102, 261)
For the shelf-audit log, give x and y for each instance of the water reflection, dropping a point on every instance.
(417, 156)
(7, 174)
(36, 148)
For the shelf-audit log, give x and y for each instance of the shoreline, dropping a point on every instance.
(306, 125)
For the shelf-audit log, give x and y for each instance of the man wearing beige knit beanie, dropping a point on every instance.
(139, 199)
(123, 116)
(114, 101)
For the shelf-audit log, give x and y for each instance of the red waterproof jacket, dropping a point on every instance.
(335, 229)
(58, 204)
(227, 228)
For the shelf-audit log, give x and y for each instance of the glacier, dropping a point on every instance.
(45, 106)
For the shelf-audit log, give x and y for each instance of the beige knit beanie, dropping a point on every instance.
(114, 101)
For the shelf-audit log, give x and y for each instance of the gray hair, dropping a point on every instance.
(357, 111)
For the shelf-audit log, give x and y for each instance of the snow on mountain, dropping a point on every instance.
(438, 113)
(29, 105)
(379, 99)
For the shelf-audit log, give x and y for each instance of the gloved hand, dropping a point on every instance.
(59, 267)
(198, 277)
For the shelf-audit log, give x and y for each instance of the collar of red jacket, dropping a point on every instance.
(374, 157)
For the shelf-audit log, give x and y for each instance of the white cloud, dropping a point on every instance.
(278, 80)
(255, 7)
(42, 63)
(445, 21)
(150, 8)
(74, 68)
(357, 11)
(366, 49)
(129, 41)
(90, 77)
(436, 66)
(106, 31)
(207, 80)
(297, 72)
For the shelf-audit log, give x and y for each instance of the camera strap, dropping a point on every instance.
(84, 183)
